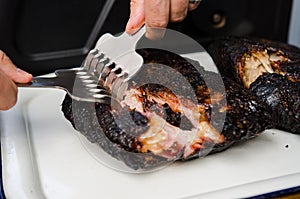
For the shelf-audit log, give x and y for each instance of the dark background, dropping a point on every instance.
(43, 35)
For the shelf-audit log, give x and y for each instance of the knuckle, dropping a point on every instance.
(192, 7)
(2, 56)
(13, 99)
(157, 23)
(177, 18)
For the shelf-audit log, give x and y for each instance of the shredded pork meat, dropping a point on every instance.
(255, 63)
(164, 139)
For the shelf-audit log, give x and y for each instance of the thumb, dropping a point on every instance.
(137, 16)
(14, 73)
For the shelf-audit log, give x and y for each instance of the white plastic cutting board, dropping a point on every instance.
(43, 157)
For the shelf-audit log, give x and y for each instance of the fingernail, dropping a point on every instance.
(129, 27)
(133, 25)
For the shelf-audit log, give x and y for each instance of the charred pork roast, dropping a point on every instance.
(255, 63)
(159, 126)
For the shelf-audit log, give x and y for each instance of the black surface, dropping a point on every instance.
(293, 192)
(41, 36)
(267, 18)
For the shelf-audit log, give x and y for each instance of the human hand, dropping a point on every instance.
(156, 14)
(9, 75)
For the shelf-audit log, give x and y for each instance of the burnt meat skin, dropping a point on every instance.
(291, 70)
(245, 116)
(254, 63)
(283, 98)
(232, 54)
(100, 128)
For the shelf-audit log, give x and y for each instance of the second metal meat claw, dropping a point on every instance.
(120, 50)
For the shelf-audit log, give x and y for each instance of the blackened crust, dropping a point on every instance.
(97, 124)
(228, 52)
(245, 115)
(283, 98)
(282, 95)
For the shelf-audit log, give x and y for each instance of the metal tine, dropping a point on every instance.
(113, 75)
(115, 80)
(101, 66)
(99, 91)
(94, 62)
(98, 69)
(123, 88)
(119, 87)
(89, 59)
(106, 70)
(92, 67)
(102, 98)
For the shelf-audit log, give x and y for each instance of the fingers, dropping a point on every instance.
(193, 5)
(157, 14)
(15, 74)
(8, 92)
(137, 16)
(178, 10)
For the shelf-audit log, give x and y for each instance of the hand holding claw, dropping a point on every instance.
(9, 74)
(156, 14)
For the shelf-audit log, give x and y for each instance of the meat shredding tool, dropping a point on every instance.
(113, 58)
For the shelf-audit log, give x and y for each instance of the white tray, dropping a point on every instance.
(43, 157)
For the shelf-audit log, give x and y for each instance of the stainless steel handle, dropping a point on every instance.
(40, 82)
(63, 79)
(73, 82)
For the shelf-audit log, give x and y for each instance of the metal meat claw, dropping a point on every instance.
(121, 51)
(113, 58)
